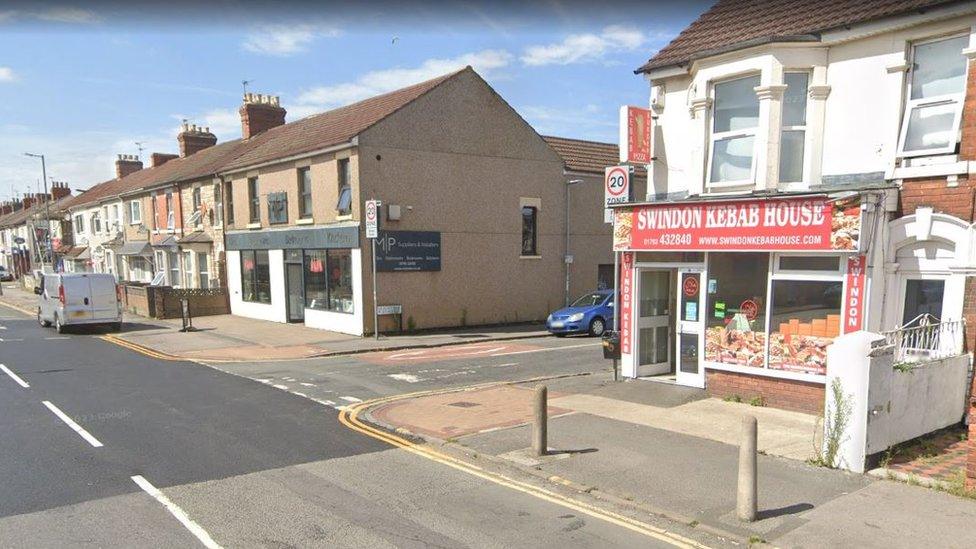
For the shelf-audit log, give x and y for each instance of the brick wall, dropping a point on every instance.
(787, 394)
(958, 200)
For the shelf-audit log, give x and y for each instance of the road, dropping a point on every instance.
(103, 446)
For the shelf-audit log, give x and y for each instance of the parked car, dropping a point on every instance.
(591, 314)
(74, 299)
(5, 275)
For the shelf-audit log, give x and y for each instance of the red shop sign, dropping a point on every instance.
(749, 308)
(802, 223)
(636, 121)
(626, 295)
(854, 294)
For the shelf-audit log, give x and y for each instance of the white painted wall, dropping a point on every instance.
(343, 322)
(276, 311)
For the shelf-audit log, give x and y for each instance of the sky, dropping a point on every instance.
(82, 83)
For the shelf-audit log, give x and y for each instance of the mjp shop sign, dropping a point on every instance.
(786, 224)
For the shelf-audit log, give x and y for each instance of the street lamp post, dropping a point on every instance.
(567, 259)
(47, 209)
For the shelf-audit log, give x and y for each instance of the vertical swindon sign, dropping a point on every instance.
(854, 294)
(635, 135)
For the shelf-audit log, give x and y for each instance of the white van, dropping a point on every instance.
(68, 299)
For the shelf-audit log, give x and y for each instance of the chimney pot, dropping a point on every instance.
(260, 113)
(193, 140)
(127, 164)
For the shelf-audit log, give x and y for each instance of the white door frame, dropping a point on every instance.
(656, 321)
(692, 328)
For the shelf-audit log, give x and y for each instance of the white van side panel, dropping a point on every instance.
(77, 298)
(104, 299)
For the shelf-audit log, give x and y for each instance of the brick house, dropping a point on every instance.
(809, 177)
(25, 226)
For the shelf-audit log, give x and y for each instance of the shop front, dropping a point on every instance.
(308, 275)
(724, 292)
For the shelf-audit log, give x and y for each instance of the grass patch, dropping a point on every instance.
(732, 398)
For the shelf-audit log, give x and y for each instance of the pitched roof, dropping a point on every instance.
(40, 208)
(331, 127)
(735, 24)
(586, 156)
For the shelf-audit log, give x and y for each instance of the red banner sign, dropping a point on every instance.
(854, 294)
(807, 224)
(636, 144)
(626, 295)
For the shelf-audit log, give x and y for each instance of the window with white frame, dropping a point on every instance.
(936, 89)
(96, 223)
(170, 213)
(135, 212)
(203, 269)
(735, 119)
(79, 224)
(114, 217)
(794, 127)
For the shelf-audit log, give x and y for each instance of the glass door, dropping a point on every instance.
(296, 291)
(654, 322)
(690, 323)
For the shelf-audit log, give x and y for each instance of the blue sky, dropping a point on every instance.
(81, 85)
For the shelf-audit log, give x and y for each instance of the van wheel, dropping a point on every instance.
(41, 321)
(57, 324)
(117, 327)
(597, 327)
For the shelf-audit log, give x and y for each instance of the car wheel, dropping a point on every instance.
(597, 327)
(57, 324)
(41, 321)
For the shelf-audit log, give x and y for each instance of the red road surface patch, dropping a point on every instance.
(450, 352)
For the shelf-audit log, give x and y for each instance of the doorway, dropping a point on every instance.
(690, 328)
(295, 286)
(655, 322)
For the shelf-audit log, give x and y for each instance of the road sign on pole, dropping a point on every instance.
(372, 218)
(616, 189)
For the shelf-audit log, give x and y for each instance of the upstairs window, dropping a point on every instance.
(530, 215)
(253, 200)
(794, 136)
(344, 205)
(96, 223)
(170, 213)
(230, 203)
(197, 214)
(277, 208)
(79, 224)
(936, 89)
(135, 212)
(304, 193)
(735, 119)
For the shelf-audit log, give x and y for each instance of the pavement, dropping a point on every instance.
(108, 447)
(229, 338)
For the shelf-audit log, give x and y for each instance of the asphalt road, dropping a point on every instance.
(107, 447)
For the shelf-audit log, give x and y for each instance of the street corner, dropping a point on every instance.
(455, 414)
(449, 352)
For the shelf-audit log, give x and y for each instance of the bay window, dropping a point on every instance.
(735, 119)
(794, 131)
(936, 89)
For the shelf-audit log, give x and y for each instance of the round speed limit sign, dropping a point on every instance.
(617, 181)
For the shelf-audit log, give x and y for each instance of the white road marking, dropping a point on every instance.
(409, 378)
(2, 340)
(282, 387)
(547, 349)
(174, 510)
(58, 337)
(506, 364)
(74, 426)
(302, 383)
(351, 399)
(15, 377)
(3, 327)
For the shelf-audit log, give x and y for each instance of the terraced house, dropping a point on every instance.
(811, 176)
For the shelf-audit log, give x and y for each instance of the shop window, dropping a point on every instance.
(809, 263)
(253, 200)
(804, 319)
(530, 216)
(736, 313)
(255, 276)
(936, 88)
(328, 280)
(794, 132)
(304, 193)
(922, 298)
(735, 119)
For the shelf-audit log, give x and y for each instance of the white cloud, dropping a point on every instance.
(224, 123)
(68, 15)
(284, 40)
(317, 99)
(7, 75)
(587, 122)
(580, 48)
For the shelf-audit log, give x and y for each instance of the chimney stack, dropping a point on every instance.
(127, 164)
(193, 139)
(260, 113)
(6, 208)
(59, 190)
(28, 201)
(158, 159)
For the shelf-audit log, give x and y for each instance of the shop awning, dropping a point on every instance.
(135, 248)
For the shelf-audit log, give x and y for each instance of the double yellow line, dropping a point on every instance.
(138, 348)
(350, 418)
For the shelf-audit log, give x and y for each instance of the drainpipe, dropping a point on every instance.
(567, 258)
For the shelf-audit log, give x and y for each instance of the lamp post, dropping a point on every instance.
(568, 258)
(47, 207)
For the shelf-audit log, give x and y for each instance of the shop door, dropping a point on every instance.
(654, 322)
(690, 329)
(296, 291)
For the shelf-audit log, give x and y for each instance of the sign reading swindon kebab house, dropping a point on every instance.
(786, 224)
(398, 251)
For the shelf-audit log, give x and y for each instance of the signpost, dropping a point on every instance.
(616, 189)
(372, 232)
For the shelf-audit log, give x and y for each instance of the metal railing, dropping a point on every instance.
(927, 338)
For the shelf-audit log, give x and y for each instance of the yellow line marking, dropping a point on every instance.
(18, 308)
(138, 348)
(350, 418)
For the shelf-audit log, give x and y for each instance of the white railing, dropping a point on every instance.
(926, 338)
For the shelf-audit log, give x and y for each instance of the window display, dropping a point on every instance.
(255, 276)
(328, 280)
(735, 330)
(805, 318)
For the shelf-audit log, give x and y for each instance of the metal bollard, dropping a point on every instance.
(540, 426)
(746, 501)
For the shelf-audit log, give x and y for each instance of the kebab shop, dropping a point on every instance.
(740, 295)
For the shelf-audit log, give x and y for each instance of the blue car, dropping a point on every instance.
(590, 314)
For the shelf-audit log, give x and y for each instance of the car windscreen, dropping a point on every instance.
(590, 300)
